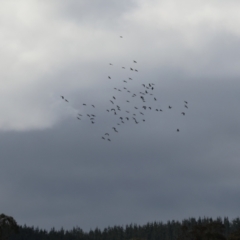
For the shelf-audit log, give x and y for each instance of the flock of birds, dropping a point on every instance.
(136, 102)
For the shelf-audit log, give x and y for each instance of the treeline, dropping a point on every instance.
(190, 229)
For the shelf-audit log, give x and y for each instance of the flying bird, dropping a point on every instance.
(115, 129)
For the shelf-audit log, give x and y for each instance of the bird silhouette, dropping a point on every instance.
(115, 129)
(62, 97)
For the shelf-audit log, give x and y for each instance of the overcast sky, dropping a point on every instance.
(57, 171)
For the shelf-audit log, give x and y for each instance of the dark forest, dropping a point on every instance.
(188, 229)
